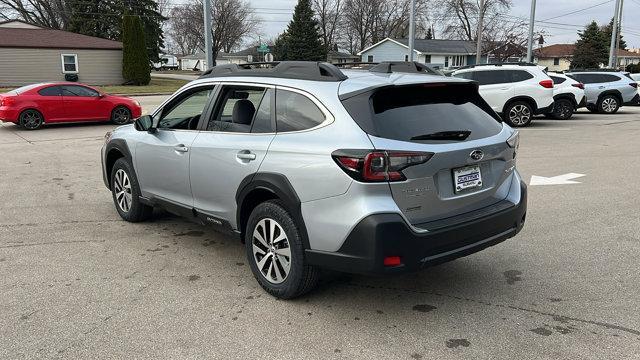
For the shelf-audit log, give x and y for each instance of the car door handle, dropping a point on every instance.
(600, 87)
(181, 148)
(246, 155)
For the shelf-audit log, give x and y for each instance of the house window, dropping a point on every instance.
(369, 58)
(556, 61)
(69, 63)
(406, 58)
(446, 61)
(427, 59)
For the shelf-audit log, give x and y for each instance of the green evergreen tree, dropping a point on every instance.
(103, 18)
(429, 34)
(135, 60)
(301, 40)
(591, 49)
(607, 29)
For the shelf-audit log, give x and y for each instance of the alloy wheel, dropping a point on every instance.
(609, 105)
(121, 116)
(30, 119)
(563, 109)
(271, 250)
(519, 114)
(122, 188)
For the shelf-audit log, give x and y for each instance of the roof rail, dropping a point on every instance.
(403, 67)
(592, 70)
(498, 64)
(301, 70)
(387, 67)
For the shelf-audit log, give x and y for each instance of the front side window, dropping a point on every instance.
(77, 90)
(295, 112)
(50, 91)
(242, 109)
(184, 112)
(69, 63)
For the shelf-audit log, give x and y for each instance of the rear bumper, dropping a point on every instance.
(8, 115)
(380, 235)
(634, 101)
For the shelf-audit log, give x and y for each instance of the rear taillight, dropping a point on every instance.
(578, 85)
(377, 166)
(546, 84)
(5, 101)
(635, 85)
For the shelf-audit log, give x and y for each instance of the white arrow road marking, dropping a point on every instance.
(555, 180)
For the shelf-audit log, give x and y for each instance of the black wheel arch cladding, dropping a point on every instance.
(279, 186)
(115, 149)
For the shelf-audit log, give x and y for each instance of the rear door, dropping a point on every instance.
(50, 102)
(495, 87)
(472, 164)
(593, 85)
(83, 103)
(231, 146)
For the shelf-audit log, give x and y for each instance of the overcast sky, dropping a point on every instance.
(277, 13)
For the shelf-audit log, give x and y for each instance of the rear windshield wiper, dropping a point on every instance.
(444, 135)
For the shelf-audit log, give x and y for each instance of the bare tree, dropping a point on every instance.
(47, 13)
(365, 22)
(328, 15)
(461, 17)
(233, 21)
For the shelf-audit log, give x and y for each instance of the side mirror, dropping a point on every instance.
(145, 123)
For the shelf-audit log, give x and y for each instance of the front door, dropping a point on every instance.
(162, 157)
(83, 103)
(231, 147)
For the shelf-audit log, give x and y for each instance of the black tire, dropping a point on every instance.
(518, 114)
(562, 109)
(301, 277)
(136, 211)
(608, 104)
(31, 119)
(120, 115)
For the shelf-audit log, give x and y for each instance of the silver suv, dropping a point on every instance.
(373, 172)
(607, 91)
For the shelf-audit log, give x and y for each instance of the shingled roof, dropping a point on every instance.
(52, 39)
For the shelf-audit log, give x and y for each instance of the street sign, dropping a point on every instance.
(263, 48)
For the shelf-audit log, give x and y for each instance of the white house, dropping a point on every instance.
(443, 53)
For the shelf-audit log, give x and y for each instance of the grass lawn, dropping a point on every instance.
(156, 86)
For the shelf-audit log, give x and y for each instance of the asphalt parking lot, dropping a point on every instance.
(78, 282)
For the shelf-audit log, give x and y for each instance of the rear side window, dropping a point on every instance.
(557, 80)
(424, 113)
(518, 75)
(50, 91)
(295, 112)
(490, 77)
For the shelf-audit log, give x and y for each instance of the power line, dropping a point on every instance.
(579, 10)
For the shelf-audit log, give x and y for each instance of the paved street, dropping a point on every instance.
(78, 282)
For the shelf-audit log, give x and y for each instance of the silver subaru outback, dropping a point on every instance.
(374, 172)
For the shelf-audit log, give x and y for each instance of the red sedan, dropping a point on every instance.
(32, 106)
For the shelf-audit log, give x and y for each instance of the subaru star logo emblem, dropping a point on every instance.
(476, 155)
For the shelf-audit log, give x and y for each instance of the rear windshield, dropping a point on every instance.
(425, 113)
(20, 90)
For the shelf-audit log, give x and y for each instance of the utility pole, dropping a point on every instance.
(412, 28)
(479, 46)
(614, 34)
(615, 55)
(532, 19)
(207, 34)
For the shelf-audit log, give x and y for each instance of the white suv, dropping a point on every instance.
(517, 91)
(568, 95)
